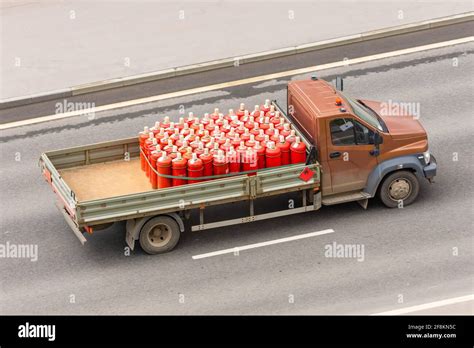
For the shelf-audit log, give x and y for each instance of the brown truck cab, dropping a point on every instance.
(363, 151)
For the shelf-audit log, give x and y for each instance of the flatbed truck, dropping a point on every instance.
(354, 153)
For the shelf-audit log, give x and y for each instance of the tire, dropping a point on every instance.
(399, 186)
(159, 235)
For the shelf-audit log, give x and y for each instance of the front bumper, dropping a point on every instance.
(430, 170)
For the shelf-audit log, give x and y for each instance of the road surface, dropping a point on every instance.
(418, 254)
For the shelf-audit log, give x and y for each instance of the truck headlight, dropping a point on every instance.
(426, 157)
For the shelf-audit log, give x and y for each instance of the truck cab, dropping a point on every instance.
(362, 150)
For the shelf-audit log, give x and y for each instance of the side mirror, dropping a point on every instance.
(378, 139)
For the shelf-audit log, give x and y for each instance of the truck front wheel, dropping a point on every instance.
(399, 189)
(159, 235)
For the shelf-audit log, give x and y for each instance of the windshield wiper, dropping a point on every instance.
(372, 111)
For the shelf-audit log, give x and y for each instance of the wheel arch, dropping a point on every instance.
(382, 170)
(134, 226)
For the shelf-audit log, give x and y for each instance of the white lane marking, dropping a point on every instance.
(237, 83)
(262, 244)
(428, 305)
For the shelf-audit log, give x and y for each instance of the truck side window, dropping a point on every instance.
(342, 131)
(364, 136)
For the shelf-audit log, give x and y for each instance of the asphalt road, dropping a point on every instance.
(413, 255)
(49, 45)
(328, 55)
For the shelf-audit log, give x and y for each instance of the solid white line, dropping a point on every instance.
(237, 83)
(428, 305)
(258, 245)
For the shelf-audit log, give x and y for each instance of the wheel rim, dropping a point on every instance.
(399, 189)
(159, 235)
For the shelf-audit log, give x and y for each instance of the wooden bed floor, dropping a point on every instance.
(104, 180)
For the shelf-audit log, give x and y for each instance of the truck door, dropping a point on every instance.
(349, 147)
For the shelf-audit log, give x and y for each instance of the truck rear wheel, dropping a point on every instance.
(399, 189)
(159, 235)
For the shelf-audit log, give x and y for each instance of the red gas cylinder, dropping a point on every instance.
(231, 115)
(180, 141)
(260, 155)
(236, 140)
(175, 136)
(241, 110)
(220, 164)
(142, 137)
(150, 145)
(271, 113)
(241, 129)
(190, 119)
(266, 107)
(164, 141)
(206, 137)
(245, 117)
(256, 111)
(210, 145)
(220, 121)
(225, 128)
(246, 135)
(166, 122)
(180, 124)
(200, 149)
(241, 149)
(154, 155)
(260, 136)
(163, 165)
(156, 128)
(260, 118)
(265, 124)
(276, 119)
(272, 155)
(170, 129)
(286, 130)
(191, 136)
(168, 147)
(276, 136)
(189, 154)
(184, 147)
(280, 126)
(298, 151)
(195, 168)
(216, 132)
(195, 143)
(270, 130)
(174, 152)
(179, 168)
(207, 159)
(221, 139)
(255, 130)
(210, 126)
(233, 160)
(250, 161)
(292, 137)
(284, 147)
(251, 142)
(250, 123)
(215, 150)
(195, 125)
(206, 119)
(215, 114)
(185, 131)
(227, 145)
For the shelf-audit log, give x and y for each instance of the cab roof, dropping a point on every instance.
(317, 95)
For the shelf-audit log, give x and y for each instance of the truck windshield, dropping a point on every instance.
(364, 113)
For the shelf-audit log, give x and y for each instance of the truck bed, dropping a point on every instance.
(103, 180)
(102, 183)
